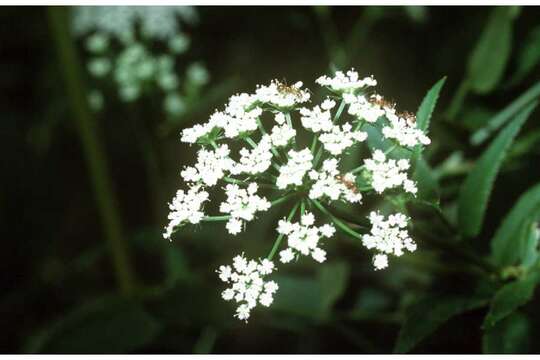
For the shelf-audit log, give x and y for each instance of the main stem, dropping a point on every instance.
(92, 148)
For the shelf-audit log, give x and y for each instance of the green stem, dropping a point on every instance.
(275, 247)
(340, 224)
(92, 147)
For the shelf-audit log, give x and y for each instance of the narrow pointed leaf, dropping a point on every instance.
(475, 191)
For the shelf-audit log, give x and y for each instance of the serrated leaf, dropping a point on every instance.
(427, 184)
(476, 189)
(110, 324)
(505, 115)
(428, 314)
(333, 278)
(484, 69)
(423, 115)
(510, 336)
(510, 297)
(507, 248)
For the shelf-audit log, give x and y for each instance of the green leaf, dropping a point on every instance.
(423, 115)
(510, 297)
(111, 324)
(428, 314)
(490, 56)
(476, 189)
(509, 336)
(333, 278)
(505, 115)
(428, 186)
(298, 296)
(528, 56)
(507, 248)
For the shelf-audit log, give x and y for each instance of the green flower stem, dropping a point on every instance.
(340, 224)
(390, 149)
(357, 170)
(282, 199)
(339, 111)
(92, 148)
(289, 122)
(216, 218)
(275, 247)
(231, 180)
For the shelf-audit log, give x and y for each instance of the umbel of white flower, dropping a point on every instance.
(272, 167)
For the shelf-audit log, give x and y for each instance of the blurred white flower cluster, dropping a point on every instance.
(137, 48)
(255, 150)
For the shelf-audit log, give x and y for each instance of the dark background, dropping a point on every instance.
(55, 259)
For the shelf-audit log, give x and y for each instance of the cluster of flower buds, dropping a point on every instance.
(310, 178)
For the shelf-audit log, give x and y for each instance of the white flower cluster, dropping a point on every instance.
(388, 174)
(403, 130)
(346, 82)
(388, 237)
(248, 287)
(111, 38)
(211, 166)
(242, 204)
(236, 149)
(293, 172)
(186, 206)
(303, 238)
(328, 182)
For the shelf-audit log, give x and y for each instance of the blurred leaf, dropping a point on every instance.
(111, 324)
(428, 314)
(505, 115)
(333, 278)
(509, 336)
(531, 256)
(510, 297)
(206, 341)
(475, 116)
(507, 247)
(476, 189)
(299, 296)
(490, 56)
(418, 14)
(528, 56)
(428, 186)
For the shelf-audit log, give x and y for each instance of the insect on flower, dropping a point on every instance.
(272, 170)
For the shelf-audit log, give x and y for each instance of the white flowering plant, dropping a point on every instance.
(253, 152)
(138, 48)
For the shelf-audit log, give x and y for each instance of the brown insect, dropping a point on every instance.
(382, 102)
(410, 117)
(284, 88)
(348, 183)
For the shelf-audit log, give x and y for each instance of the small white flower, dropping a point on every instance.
(211, 166)
(403, 130)
(256, 160)
(328, 183)
(186, 207)
(293, 172)
(349, 82)
(340, 138)
(247, 284)
(242, 204)
(303, 238)
(388, 174)
(388, 237)
(281, 135)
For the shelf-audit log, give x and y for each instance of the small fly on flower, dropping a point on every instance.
(410, 117)
(286, 89)
(348, 182)
(382, 102)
